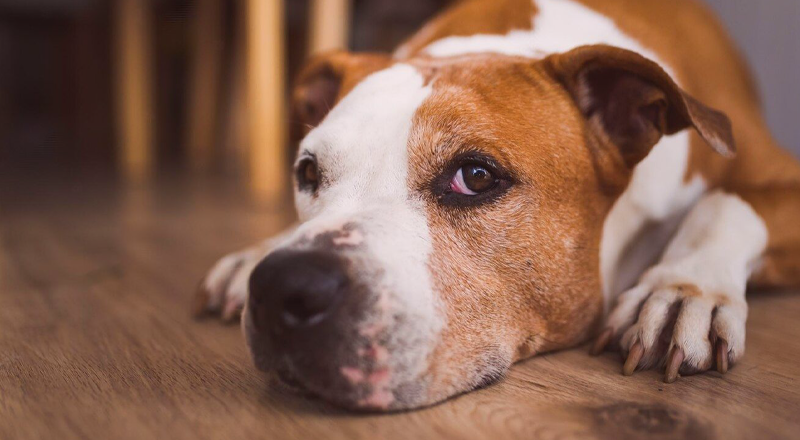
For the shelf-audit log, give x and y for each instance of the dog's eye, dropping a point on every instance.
(472, 179)
(308, 174)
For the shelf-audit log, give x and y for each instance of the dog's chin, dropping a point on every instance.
(357, 398)
(289, 382)
(360, 399)
(341, 374)
(324, 382)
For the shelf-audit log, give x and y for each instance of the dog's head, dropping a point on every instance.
(451, 213)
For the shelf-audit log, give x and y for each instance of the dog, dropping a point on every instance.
(517, 177)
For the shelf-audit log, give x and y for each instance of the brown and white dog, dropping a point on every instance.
(520, 175)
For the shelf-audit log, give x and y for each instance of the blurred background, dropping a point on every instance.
(143, 89)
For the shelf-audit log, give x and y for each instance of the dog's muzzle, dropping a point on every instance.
(347, 312)
(304, 308)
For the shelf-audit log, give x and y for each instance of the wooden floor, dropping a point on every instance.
(96, 342)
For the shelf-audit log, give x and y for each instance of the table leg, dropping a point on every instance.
(134, 88)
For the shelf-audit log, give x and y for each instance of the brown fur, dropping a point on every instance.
(514, 276)
(687, 36)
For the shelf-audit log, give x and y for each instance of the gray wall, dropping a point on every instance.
(768, 31)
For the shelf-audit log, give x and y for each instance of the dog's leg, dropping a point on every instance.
(690, 308)
(779, 206)
(225, 287)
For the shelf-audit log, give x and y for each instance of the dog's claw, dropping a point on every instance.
(722, 356)
(634, 356)
(601, 342)
(674, 361)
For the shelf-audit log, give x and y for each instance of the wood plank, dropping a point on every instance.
(96, 341)
(265, 94)
(134, 88)
(329, 25)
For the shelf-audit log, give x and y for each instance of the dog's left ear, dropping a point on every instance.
(326, 78)
(634, 102)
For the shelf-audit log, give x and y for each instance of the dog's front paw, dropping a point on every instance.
(669, 322)
(224, 290)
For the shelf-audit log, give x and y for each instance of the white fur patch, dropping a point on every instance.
(361, 149)
(716, 246)
(559, 26)
(657, 191)
(361, 145)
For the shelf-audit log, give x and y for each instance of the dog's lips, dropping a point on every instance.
(366, 391)
(288, 379)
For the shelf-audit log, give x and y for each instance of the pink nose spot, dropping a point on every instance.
(384, 304)
(350, 238)
(380, 378)
(378, 399)
(372, 330)
(352, 374)
(375, 352)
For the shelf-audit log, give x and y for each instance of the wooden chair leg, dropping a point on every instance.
(235, 128)
(329, 25)
(134, 61)
(203, 100)
(265, 93)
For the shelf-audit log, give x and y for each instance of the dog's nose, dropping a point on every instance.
(293, 289)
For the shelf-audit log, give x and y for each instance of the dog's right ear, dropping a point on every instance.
(632, 102)
(328, 77)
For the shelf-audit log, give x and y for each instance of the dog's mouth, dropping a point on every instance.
(353, 389)
(290, 382)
